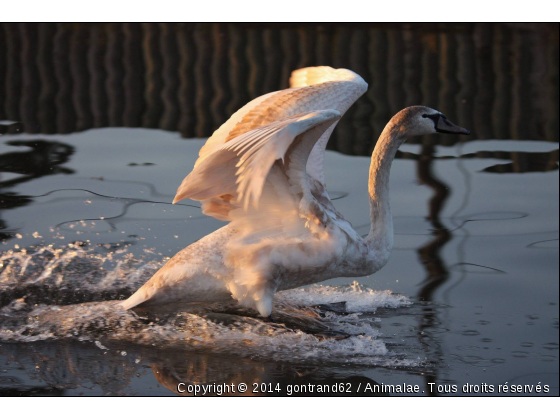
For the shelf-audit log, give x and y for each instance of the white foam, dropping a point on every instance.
(357, 297)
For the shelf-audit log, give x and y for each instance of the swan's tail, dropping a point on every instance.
(140, 296)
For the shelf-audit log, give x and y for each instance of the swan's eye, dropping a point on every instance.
(433, 117)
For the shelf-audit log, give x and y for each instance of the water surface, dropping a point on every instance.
(470, 295)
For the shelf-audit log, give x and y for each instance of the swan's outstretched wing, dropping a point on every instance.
(261, 177)
(311, 89)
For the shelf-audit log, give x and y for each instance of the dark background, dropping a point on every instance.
(499, 80)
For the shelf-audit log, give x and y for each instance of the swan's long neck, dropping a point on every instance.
(380, 238)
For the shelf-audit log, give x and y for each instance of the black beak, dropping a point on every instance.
(443, 125)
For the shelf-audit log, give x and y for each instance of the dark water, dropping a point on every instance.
(470, 295)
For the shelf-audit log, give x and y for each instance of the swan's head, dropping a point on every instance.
(421, 120)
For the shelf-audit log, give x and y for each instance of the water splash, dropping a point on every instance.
(72, 292)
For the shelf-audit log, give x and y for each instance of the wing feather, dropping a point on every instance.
(312, 89)
(241, 166)
(220, 135)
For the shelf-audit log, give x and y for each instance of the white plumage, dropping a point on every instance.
(262, 171)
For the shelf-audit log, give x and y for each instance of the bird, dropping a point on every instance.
(262, 171)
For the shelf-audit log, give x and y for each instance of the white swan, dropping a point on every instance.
(263, 171)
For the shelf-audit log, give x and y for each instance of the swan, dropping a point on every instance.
(262, 171)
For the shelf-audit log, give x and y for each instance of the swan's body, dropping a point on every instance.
(263, 171)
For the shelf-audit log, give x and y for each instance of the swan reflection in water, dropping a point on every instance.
(207, 375)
